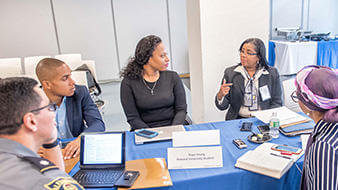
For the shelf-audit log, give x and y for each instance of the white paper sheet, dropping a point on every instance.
(285, 115)
(195, 157)
(196, 138)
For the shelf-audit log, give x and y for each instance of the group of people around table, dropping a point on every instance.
(33, 119)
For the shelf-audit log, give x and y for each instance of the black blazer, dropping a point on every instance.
(80, 108)
(235, 96)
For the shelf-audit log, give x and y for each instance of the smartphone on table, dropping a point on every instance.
(264, 128)
(285, 148)
(246, 126)
(146, 133)
(239, 143)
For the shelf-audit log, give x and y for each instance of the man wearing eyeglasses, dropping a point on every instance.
(76, 112)
(27, 122)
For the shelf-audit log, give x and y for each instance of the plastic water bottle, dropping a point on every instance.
(274, 125)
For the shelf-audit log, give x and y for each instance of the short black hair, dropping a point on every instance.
(260, 50)
(17, 97)
(45, 68)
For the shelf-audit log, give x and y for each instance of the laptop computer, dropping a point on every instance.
(164, 133)
(102, 159)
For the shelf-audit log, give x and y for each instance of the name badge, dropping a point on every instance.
(265, 93)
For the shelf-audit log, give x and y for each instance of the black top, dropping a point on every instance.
(167, 105)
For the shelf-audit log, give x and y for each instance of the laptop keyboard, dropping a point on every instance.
(97, 177)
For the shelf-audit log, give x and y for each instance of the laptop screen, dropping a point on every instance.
(102, 148)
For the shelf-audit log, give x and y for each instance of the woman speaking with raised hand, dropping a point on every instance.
(250, 85)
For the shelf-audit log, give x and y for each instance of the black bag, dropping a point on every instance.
(92, 84)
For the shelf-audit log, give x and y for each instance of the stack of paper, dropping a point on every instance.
(286, 116)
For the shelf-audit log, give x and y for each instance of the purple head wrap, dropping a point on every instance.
(317, 89)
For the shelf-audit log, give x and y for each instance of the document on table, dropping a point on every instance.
(265, 161)
(195, 157)
(196, 138)
(285, 116)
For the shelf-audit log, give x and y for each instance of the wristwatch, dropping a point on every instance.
(51, 145)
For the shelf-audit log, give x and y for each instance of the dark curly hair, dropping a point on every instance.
(144, 50)
(259, 48)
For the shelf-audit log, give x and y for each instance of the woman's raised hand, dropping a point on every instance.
(224, 90)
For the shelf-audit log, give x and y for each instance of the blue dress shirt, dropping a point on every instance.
(61, 121)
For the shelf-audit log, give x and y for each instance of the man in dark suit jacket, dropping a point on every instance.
(76, 112)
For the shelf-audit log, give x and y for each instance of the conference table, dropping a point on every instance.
(228, 176)
(289, 57)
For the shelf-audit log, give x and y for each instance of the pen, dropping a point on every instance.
(280, 156)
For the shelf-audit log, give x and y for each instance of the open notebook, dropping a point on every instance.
(261, 161)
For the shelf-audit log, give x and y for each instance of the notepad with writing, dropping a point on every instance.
(264, 161)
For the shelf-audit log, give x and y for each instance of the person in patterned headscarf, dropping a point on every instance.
(317, 96)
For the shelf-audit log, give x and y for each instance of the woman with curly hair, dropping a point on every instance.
(152, 96)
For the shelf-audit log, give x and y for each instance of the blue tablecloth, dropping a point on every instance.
(272, 55)
(327, 53)
(227, 177)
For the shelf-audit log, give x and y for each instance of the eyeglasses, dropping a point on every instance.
(294, 96)
(51, 107)
(247, 53)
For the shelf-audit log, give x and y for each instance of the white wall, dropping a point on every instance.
(224, 25)
(134, 21)
(286, 13)
(105, 31)
(88, 28)
(195, 60)
(319, 16)
(108, 30)
(178, 35)
(26, 28)
(323, 16)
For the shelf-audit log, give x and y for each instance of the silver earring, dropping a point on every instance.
(308, 113)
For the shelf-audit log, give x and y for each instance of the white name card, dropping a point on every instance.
(195, 157)
(196, 138)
